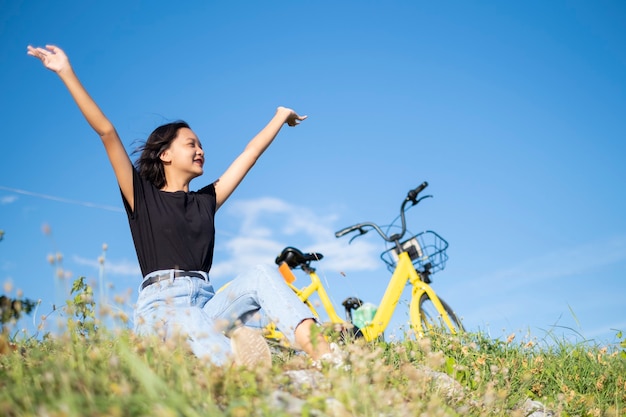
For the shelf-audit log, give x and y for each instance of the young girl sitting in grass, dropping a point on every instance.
(174, 236)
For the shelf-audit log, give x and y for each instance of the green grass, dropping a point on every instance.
(90, 371)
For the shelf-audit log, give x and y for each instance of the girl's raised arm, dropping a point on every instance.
(238, 169)
(55, 60)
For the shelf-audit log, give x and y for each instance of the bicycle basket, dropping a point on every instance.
(427, 250)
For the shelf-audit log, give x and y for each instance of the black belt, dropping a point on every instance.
(177, 274)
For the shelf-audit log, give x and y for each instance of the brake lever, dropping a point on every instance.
(361, 233)
(416, 202)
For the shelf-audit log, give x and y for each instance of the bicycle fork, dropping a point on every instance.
(419, 289)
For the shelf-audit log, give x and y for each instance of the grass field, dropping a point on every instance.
(88, 370)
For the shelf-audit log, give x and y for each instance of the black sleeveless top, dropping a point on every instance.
(172, 230)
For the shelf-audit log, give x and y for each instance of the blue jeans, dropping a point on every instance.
(189, 306)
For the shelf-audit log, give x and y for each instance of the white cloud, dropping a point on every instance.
(245, 252)
(267, 225)
(8, 199)
(559, 264)
(123, 267)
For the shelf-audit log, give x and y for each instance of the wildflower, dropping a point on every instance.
(435, 359)
(114, 361)
(510, 338)
(123, 317)
(424, 344)
(105, 310)
(600, 382)
(490, 395)
(94, 353)
(494, 369)
(122, 389)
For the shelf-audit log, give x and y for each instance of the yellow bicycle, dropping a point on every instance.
(411, 261)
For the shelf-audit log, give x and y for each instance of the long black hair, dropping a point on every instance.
(149, 164)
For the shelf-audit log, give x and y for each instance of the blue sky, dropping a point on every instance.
(512, 111)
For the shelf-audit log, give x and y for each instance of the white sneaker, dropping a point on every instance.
(250, 348)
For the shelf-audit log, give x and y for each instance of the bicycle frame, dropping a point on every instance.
(404, 272)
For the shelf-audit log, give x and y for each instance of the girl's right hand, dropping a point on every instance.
(291, 117)
(51, 56)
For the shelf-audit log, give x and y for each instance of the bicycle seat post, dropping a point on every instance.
(306, 267)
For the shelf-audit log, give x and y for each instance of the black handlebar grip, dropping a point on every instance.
(413, 193)
(344, 231)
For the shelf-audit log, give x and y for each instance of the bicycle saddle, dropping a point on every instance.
(294, 257)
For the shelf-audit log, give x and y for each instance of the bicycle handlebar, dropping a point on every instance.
(361, 227)
(412, 195)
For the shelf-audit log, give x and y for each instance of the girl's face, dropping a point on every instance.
(185, 153)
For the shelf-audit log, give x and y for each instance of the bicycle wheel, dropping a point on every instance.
(430, 317)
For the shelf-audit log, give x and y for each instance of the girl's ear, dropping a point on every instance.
(165, 156)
